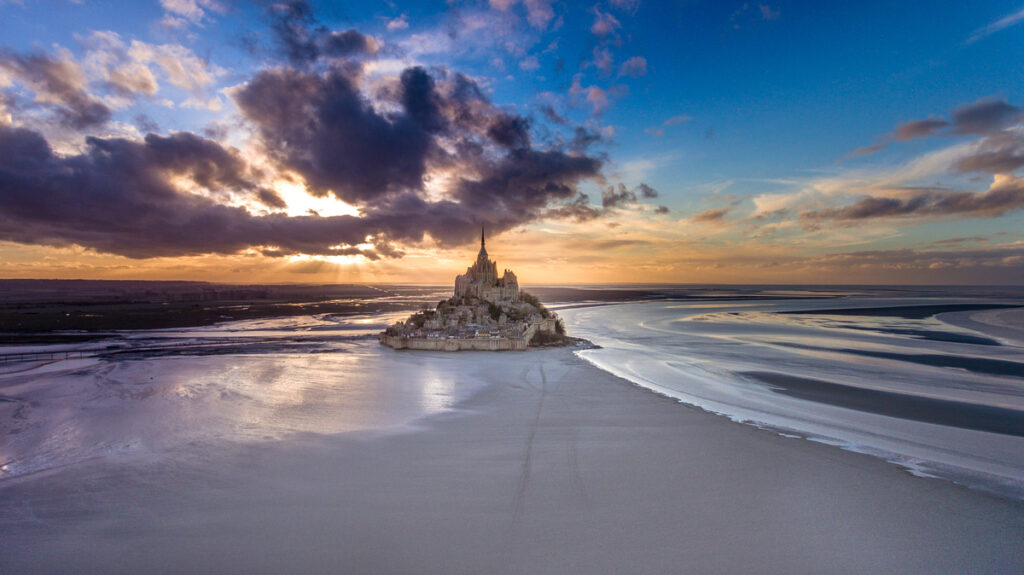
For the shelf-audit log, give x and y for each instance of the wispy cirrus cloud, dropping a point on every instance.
(1001, 24)
(674, 120)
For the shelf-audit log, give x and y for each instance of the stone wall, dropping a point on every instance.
(457, 344)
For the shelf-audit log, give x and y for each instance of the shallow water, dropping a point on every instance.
(186, 393)
(939, 399)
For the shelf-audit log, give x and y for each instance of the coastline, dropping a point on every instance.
(552, 466)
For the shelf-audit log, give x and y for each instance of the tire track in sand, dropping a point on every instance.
(524, 476)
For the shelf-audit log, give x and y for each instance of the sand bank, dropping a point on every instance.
(552, 467)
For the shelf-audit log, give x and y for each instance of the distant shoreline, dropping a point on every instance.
(68, 311)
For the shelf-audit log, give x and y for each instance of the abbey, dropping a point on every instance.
(481, 280)
(486, 312)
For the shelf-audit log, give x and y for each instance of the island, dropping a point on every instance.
(486, 313)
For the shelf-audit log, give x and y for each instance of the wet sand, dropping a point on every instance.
(989, 418)
(553, 467)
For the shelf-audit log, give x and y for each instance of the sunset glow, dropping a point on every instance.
(724, 144)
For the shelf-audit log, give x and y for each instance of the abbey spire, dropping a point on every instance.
(481, 280)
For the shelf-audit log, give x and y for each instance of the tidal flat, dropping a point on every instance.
(300, 444)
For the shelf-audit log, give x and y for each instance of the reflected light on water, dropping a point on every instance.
(437, 391)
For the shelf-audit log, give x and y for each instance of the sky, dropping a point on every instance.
(619, 141)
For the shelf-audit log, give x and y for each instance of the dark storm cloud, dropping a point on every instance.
(302, 39)
(166, 196)
(58, 83)
(512, 132)
(1004, 196)
(115, 197)
(524, 182)
(373, 147)
(421, 101)
(321, 127)
(292, 23)
(583, 138)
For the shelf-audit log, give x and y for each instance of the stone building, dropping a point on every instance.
(481, 280)
(486, 313)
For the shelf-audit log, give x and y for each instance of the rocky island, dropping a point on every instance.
(486, 312)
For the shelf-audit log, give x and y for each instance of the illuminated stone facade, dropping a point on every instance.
(486, 313)
(481, 280)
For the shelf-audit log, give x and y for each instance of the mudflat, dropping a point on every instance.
(553, 466)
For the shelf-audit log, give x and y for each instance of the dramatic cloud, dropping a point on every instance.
(378, 153)
(302, 39)
(1006, 194)
(512, 132)
(58, 83)
(184, 194)
(164, 197)
(118, 197)
(415, 154)
(321, 127)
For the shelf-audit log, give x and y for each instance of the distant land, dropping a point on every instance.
(31, 306)
(31, 309)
